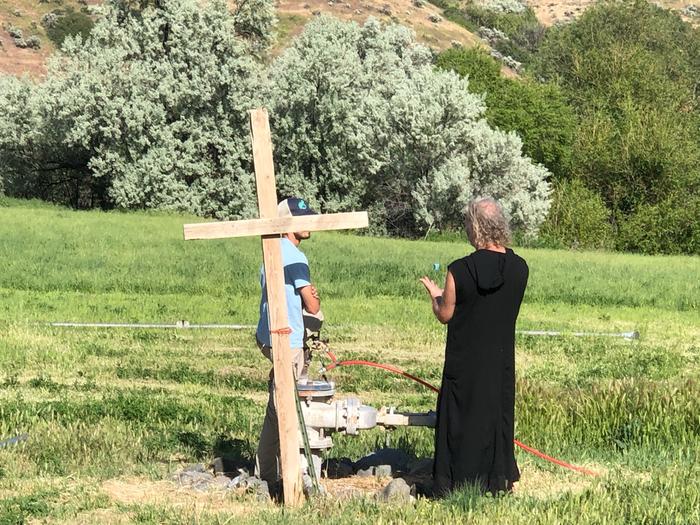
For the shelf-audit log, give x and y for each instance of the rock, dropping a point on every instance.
(198, 467)
(195, 476)
(192, 479)
(396, 491)
(240, 480)
(259, 488)
(419, 3)
(382, 471)
(435, 19)
(262, 491)
(221, 481)
(397, 458)
(217, 465)
(385, 10)
(365, 472)
(201, 485)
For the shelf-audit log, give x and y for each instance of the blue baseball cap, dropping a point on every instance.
(294, 207)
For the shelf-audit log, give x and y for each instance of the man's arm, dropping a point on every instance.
(443, 300)
(310, 298)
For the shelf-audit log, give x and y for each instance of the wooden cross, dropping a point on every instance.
(269, 227)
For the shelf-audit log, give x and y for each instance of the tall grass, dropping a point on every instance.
(113, 404)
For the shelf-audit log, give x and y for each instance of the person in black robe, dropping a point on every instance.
(475, 409)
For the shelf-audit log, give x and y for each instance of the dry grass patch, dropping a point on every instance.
(438, 35)
(141, 491)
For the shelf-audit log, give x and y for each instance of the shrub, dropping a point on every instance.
(68, 23)
(33, 42)
(577, 218)
(503, 6)
(670, 226)
(49, 20)
(537, 112)
(523, 29)
(362, 116)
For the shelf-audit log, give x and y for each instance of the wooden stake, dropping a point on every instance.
(287, 420)
(269, 226)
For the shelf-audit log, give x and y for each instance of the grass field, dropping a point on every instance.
(111, 414)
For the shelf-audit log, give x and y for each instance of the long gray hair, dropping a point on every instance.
(486, 223)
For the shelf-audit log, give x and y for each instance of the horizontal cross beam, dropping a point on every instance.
(275, 225)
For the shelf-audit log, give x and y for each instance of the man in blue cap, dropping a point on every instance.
(301, 296)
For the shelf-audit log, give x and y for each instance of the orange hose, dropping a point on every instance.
(396, 370)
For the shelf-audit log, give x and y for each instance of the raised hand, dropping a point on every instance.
(433, 289)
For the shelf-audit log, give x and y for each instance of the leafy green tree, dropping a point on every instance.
(537, 112)
(69, 22)
(363, 118)
(630, 71)
(617, 50)
(670, 226)
(255, 20)
(577, 219)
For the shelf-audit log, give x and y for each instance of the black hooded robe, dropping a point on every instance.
(475, 409)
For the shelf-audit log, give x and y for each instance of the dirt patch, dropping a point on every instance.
(354, 486)
(543, 484)
(438, 35)
(138, 491)
(553, 12)
(16, 61)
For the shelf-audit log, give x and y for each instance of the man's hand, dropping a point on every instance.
(314, 292)
(433, 289)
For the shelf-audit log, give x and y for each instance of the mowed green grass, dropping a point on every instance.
(111, 413)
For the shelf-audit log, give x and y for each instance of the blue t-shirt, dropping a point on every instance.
(296, 277)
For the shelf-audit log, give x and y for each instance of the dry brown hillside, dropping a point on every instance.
(550, 12)
(426, 21)
(430, 27)
(293, 15)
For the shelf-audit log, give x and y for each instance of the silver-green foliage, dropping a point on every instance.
(154, 105)
(255, 20)
(151, 112)
(362, 118)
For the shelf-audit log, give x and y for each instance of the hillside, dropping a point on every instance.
(439, 35)
(551, 12)
(293, 14)
(423, 17)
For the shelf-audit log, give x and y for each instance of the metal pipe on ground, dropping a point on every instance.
(14, 440)
(179, 324)
(625, 335)
(186, 324)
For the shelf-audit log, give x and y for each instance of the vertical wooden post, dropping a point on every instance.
(287, 420)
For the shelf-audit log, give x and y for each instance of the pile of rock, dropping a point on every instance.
(202, 478)
(410, 476)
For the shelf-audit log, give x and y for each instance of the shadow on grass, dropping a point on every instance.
(232, 454)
